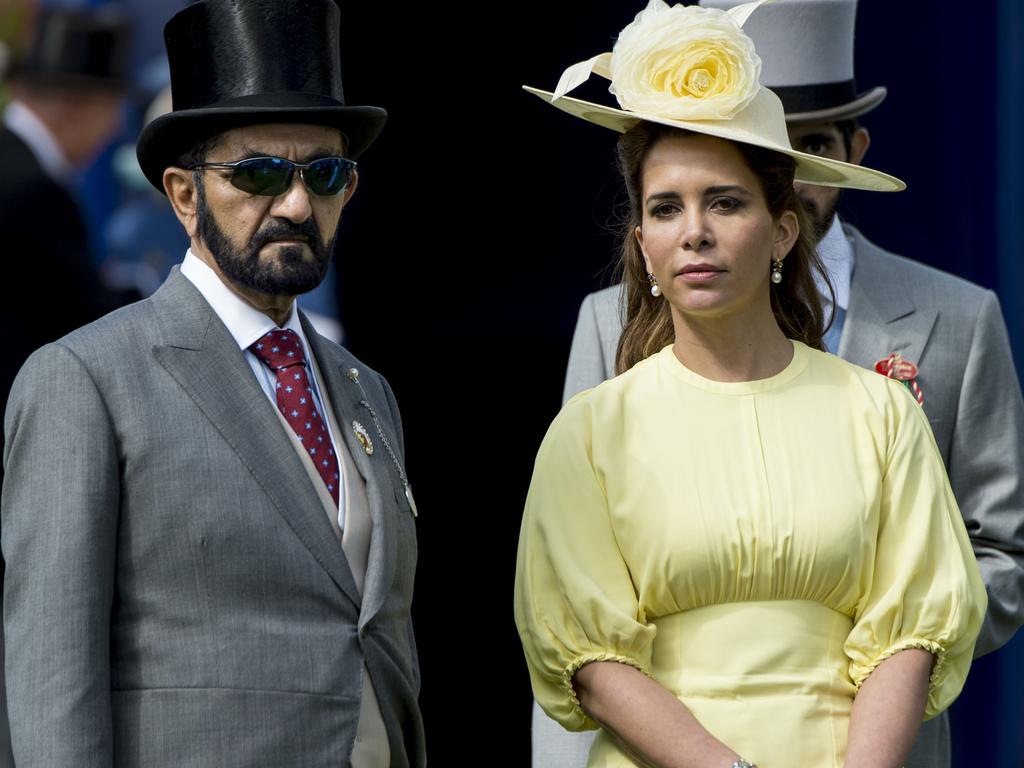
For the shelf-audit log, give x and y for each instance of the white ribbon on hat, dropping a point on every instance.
(740, 13)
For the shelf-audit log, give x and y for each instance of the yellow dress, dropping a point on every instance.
(755, 547)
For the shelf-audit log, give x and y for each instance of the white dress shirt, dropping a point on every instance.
(246, 324)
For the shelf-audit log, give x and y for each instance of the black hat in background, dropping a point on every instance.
(79, 49)
(248, 62)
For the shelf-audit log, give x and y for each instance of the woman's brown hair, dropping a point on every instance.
(795, 301)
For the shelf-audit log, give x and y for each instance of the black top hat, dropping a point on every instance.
(247, 62)
(79, 49)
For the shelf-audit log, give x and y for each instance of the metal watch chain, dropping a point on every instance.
(387, 446)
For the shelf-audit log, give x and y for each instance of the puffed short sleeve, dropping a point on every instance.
(575, 601)
(924, 588)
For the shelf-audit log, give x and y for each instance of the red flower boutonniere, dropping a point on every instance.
(895, 367)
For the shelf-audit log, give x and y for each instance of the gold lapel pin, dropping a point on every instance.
(364, 437)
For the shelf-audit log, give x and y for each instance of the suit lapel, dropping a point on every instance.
(346, 396)
(206, 362)
(883, 317)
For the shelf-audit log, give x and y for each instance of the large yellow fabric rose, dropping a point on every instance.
(684, 63)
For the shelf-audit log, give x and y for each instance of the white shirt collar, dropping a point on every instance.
(244, 322)
(836, 253)
(23, 123)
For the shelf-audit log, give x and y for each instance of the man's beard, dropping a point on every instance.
(289, 275)
(821, 220)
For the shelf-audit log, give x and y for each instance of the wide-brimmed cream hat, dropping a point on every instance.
(694, 68)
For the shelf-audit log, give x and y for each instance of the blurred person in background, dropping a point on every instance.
(67, 92)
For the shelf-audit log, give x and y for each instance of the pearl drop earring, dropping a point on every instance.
(655, 288)
(776, 271)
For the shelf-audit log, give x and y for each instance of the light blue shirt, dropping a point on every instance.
(836, 253)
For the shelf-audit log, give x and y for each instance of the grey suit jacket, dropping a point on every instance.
(955, 332)
(175, 595)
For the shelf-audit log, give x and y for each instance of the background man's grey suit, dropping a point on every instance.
(155, 503)
(955, 333)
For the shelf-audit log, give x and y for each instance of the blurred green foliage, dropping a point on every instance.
(15, 17)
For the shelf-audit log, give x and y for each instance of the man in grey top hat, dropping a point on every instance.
(206, 519)
(950, 330)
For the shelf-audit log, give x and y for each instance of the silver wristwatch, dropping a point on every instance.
(741, 763)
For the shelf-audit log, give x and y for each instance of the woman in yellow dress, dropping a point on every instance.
(741, 551)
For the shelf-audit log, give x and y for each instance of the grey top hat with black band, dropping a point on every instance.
(247, 63)
(79, 49)
(806, 50)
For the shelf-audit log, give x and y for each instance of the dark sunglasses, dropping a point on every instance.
(324, 177)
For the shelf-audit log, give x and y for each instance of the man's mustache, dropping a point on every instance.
(282, 229)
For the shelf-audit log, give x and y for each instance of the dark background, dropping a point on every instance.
(483, 218)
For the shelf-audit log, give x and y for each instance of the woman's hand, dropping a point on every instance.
(646, 719)
(888, 711)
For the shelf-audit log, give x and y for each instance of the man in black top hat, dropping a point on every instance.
(207, 521)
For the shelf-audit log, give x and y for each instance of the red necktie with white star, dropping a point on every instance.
(282, 352)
